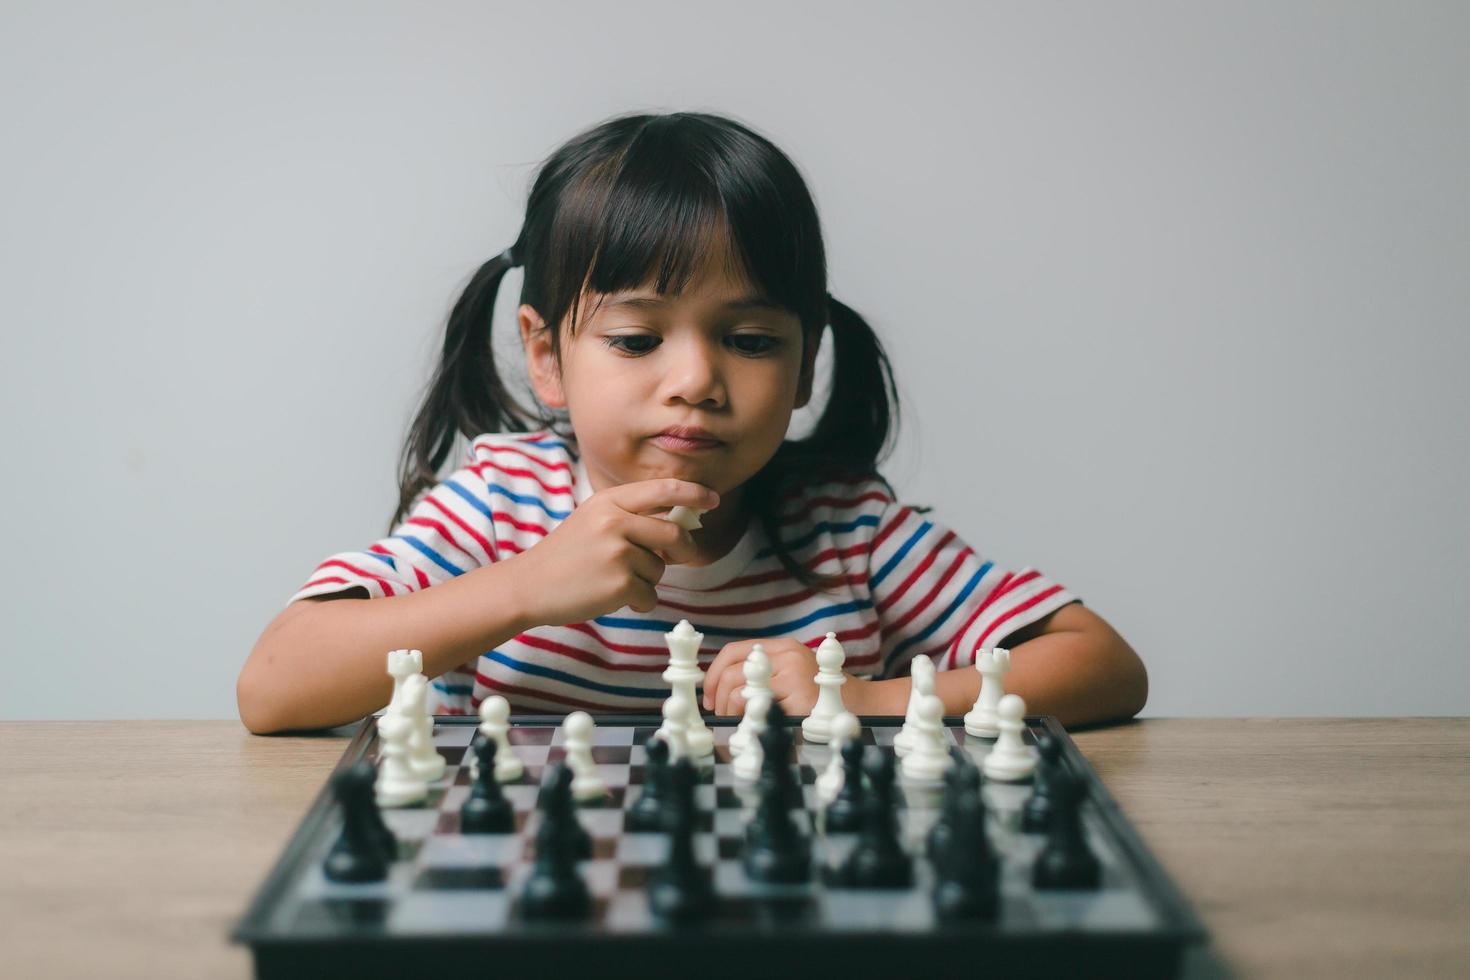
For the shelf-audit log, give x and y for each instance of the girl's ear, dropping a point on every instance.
(541, 366)
(808, 370)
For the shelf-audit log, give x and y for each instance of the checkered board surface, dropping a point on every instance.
(457, 893)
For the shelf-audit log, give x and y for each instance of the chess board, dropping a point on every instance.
(449, 903)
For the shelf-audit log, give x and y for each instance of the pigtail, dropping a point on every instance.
(466, 394)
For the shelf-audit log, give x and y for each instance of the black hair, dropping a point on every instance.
(638, 196)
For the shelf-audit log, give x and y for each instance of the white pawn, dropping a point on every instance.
(845, 728)
(423, 756)
(682, 675)
(495, 725)
(1010, 761)
(398, 783)
(921, 672)
(993, 665)
(757, 671)
(587, 782)
(929, 756)
(747, 765)
(675, 729)
(817, 726)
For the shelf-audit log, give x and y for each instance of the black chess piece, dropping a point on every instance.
(555, 889)
(961, 779)
(845, 812)
(776, 851)
(681, 888)
(487, 811)
(646, 813)
(967, 868)
(1037, 812)
(358, 854)
(1065, 860)
(878, 860)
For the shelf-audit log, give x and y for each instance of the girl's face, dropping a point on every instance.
(708, 358)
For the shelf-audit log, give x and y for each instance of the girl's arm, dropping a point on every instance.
(323, 663)
(1071, 664)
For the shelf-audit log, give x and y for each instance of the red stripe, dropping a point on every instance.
(481, 466)
(1044, 594)
(922, 567)
(480, 540)
(384, 583)
(491, 447)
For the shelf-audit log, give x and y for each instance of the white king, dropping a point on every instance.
(817, 726)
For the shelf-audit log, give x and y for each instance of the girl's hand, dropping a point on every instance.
(608, 553)
(793, 677)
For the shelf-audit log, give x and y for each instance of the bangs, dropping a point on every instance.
(657, 212)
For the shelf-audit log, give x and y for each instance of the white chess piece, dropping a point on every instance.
(993, 664)
(844, 728)
(929, 757)
(398, 783)
(403, 664)
(747, 764)
(685, 517)
(1010, 760)
(817, 726)
(675, 729)
(495, 725)
(757, 671)
(423, 756)
(587, 782)
(682, 675)
(921, 673)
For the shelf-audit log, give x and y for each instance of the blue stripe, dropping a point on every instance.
(574, 680)
(898, 557)
(428, 553)
(944, 616)
(817, 530)
(520, 498)
(776, 629)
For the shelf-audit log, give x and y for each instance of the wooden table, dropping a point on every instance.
(1310, 847)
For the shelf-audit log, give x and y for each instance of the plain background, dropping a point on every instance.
(1176, 297)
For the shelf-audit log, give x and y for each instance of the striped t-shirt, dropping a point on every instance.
(913, 587)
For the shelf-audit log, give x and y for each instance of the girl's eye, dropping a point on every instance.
(749, 344)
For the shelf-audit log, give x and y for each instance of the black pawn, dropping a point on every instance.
(878, 860)
(845, 812)
(681, 889)
(776, 851)
(555, 890)
(961, 780)
(968, 870)
(358, 854)
(487, 811)
(1037, 812)
(1066, 861)
(646, 813)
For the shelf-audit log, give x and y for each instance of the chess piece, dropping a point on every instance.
(993, 665)
(757, 671)
(486, 811)
(1010, 761)
(817, 726)
(683, 674)
(587, 782)
(747, 764)
(844, 728)
(495, 724)
(358, 854)
(1037, 812)
(929, 756)
(1066, 861)
(921, 673)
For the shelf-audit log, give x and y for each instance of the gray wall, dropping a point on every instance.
(1199, 274)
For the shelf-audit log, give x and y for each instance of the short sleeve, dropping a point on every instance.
(937, 597)
(448, 531)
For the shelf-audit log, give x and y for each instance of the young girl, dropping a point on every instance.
(674, 299)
